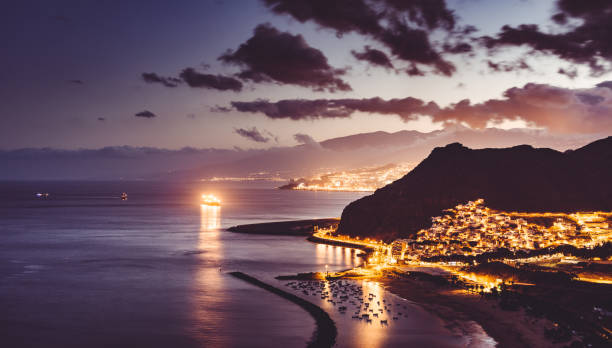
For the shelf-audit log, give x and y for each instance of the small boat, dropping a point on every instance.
(211, 200)
(124, 196)
(42, 194)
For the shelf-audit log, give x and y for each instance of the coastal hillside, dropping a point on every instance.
(520, 178)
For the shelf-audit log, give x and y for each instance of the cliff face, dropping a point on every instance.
(519, 178)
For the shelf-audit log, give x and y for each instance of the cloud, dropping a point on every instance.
(401, 26)
(587, 42)
(606, 84)
(560, 110)
(101, 119)
(571, 73)
(219, 82)
(218, 108)
(458, 48)
(196, 80)
(305, 139)
(374, 57)
(517, 65)
(299, 109)
(145, 114)
(166, 81)
(274, 56)
(76, 82)
(254, 134)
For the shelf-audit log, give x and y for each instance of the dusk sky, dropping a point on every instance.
(89, 74)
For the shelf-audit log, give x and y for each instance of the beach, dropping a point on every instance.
(458, 308)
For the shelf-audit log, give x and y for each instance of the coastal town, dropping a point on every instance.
(515, 259)
(358, 180)
(472, 229)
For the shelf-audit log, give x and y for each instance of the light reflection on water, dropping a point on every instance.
(329, 254)
(209, 281)
(210, 218)
(375, 335)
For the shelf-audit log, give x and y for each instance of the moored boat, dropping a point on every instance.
(211, 200)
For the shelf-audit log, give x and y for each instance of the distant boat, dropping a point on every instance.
(123, 196)
(211, 200)
(42, 194)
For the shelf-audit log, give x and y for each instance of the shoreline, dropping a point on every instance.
(456, 309)
(285, 228)
(325, 332)
(317, 240)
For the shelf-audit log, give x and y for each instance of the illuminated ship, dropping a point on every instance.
(124, 196)
(211, 200)
(42, 195)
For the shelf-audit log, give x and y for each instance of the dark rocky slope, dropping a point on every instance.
(519, 178)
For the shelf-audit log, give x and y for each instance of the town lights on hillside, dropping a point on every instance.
(358, 180)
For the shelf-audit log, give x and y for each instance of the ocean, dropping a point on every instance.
(82, 268)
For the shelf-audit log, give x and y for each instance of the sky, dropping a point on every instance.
(254, 74)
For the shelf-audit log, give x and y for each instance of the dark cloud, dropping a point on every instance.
(458, 48)
(430, 14)
(196, 79)
(560, 110)
(145, 114)
(166, 81)
(298, 109)
(590, 99)
(102, 119)
(402, 26)
(374, 57)
(219, 82)
(357, 16)
(218, 108)
(305, 139)
(569, 72)
(413, 45)
(252, 134)
(605, 84)
(517, 65)
(413, 70)
(585, 43)
(274, 56)
(76, 82)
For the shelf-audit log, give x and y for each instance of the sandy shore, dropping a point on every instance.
(457, 308)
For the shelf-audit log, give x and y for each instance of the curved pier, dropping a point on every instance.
(325, 333)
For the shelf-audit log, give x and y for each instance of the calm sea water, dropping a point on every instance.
(83, 268)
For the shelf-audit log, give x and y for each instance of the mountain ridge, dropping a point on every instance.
(518, 178)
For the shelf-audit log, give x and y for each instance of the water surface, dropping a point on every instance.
(83, 268)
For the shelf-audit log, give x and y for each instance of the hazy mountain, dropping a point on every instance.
(375, 139)
(336, 154)
(520, 178)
